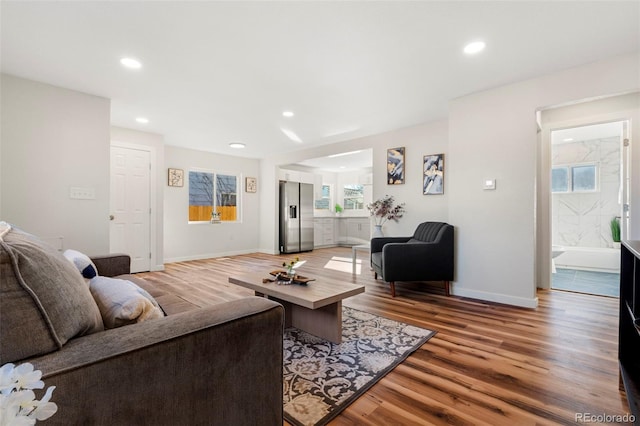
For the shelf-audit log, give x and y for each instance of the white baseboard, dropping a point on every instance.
(495, 297)
(268, 251)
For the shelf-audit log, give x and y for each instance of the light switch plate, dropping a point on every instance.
(82, 193)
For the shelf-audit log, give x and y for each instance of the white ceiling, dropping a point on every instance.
(219, 72)
(342, 161)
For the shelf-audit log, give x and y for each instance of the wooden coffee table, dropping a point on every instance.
(315, 308)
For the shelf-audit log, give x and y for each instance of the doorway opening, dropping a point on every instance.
(587, 199)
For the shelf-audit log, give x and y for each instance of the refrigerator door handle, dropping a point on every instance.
(293, 212)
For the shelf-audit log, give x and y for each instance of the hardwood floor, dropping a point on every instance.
(488, 364)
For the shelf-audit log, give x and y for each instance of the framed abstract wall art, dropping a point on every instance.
(395, 166)
(433, 174)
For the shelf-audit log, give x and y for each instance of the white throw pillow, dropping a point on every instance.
(83, 263)
(121, 302)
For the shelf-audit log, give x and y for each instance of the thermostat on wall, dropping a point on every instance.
(489, 184)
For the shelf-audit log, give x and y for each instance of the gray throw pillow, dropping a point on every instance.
(43, 298)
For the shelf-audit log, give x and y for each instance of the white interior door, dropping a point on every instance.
(130, 206)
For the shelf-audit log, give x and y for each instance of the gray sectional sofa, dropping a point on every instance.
(219, 365)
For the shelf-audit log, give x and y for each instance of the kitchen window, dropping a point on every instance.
(353, 197)
(324, 201)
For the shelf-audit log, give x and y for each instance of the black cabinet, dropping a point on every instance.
(629, 331)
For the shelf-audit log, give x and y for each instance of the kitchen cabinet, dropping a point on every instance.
(354, 231)
(296, 176)
(323, 232)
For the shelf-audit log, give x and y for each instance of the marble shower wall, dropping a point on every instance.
(582, 219)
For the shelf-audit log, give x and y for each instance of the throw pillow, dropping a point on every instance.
(121, 302)
(43, 300)
(83, 263)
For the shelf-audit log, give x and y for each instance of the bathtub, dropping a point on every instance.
(589, 259)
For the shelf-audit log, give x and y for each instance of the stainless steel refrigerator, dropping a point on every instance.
(296, 217)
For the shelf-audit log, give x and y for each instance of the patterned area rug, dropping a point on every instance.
(322, 378)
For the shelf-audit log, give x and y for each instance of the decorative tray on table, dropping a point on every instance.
(283, 277)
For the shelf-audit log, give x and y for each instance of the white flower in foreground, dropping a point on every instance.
(44, 408)
(27, 378)
(7, 383)
(18, 403)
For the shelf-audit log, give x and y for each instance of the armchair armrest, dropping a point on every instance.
(111, 265)
(408, 262)
(379, 242)
(199, 367)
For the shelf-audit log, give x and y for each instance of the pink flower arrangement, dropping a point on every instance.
(383, 210)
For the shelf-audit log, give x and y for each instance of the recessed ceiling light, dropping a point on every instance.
(131, 63)
(475, 47)
(291, 135)
(142, 120)
(288, 113)
(567, 139)
(237, 145)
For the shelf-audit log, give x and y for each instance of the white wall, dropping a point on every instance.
(420, 140)
(54, 139)
(155, 144)
(492, 134)
(184, 241)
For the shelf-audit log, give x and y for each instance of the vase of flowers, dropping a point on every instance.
(383, 210)
(215, 217)
(291, 266)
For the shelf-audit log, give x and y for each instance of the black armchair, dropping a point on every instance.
(426, 256)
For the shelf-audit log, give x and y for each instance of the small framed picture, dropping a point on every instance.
(433, 174)
(395, 166)
(251, 184)
(176, 177)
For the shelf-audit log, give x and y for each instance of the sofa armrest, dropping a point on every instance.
(111, 265)
(216, 365)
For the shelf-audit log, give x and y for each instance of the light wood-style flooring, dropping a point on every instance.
(488, 364)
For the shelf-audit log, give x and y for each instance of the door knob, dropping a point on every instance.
(111, 217)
